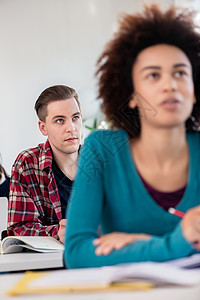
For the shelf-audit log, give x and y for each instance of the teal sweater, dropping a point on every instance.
(108, 192)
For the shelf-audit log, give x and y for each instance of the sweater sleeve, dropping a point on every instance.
(84, 216)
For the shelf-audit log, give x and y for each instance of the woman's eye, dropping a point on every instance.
(180, 74)
(153, 75)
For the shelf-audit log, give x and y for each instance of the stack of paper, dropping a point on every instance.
(125, 276)
(189, 262)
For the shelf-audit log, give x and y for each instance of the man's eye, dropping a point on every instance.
(75, 118)
(59, 121)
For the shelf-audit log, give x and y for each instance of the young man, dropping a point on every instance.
(42, 177)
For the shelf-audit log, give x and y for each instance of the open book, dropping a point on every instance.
(12, 244)
(132, 276)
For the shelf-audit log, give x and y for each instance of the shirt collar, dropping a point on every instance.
(45, 156)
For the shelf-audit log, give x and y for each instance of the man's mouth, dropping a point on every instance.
(71, 139)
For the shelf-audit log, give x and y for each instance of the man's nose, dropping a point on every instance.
(70, 126)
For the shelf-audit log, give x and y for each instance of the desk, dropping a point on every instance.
(179, 293)
(30, 261)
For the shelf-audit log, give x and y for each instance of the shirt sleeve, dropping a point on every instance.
(85, 213)
(24, 217)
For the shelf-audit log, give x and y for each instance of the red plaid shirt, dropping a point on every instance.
(34, 204)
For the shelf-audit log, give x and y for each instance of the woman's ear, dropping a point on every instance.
(194, 99)
(133, 101)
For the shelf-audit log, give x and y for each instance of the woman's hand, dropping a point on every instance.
(191, 226)
(116, 240)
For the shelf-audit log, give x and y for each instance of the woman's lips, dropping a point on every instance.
(170, 104)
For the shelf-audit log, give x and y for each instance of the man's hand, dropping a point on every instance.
(116, 240)
(61, 231)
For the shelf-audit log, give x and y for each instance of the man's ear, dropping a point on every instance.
(42, 127)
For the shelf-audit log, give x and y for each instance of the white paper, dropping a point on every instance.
(150, 271)
(188, 262)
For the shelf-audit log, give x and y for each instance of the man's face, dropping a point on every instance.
(63, 126)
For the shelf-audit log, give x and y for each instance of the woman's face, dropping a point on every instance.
(163, 85)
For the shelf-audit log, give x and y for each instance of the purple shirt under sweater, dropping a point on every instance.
(165, 199)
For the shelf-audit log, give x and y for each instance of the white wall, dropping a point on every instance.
(48, 42)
